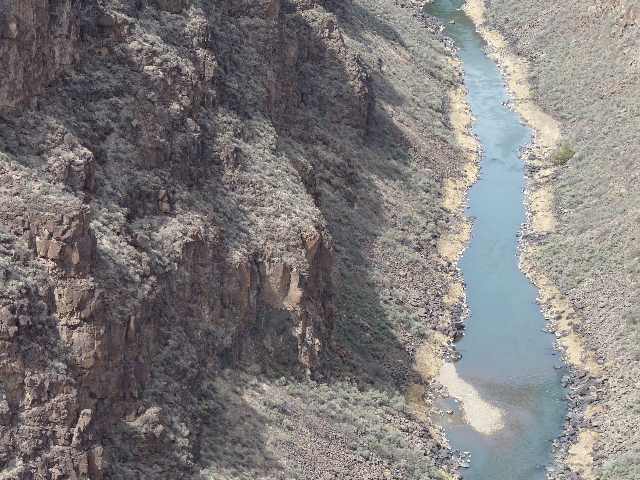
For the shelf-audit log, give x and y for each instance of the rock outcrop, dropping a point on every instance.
(39, 40)
(85, 311)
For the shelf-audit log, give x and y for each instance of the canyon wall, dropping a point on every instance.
(189, 188)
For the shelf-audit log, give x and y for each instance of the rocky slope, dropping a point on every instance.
(203, 205)
(585, 73)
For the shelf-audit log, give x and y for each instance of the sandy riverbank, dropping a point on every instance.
(454, 242)
(482, 416)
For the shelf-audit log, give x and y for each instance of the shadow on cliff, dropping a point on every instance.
(355, 147)
(361, 24)
(352, 147)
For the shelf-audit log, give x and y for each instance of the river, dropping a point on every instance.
(507, 359)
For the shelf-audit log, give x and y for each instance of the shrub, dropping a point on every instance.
(623, 468)
(563, 154)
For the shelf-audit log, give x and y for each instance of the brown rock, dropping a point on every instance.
(38, 41)
(173, 6)
(67, 241)
(164, 202)
(8, 324)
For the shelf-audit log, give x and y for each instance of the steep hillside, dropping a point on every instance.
(585, 72)
(218, 235)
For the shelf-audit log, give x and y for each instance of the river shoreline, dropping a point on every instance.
(575, 448)
(431, 356)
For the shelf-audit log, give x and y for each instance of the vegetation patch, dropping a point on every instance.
(625, 468)
(563, 154)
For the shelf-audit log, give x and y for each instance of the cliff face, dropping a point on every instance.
(585, 72)
(169, 175)
(39, 39)
(111, 251)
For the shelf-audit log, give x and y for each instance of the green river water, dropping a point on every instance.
(505, 354)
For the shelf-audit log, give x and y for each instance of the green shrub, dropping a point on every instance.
(563, 154)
